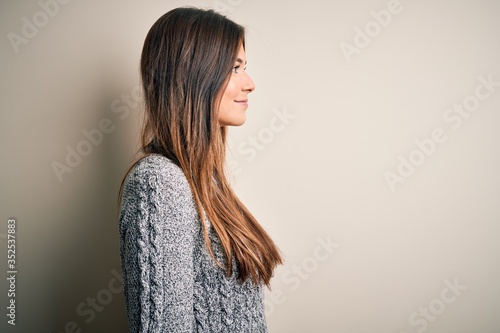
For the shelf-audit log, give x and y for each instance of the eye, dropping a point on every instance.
(235, 69)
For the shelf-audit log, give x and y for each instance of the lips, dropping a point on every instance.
(242, 101)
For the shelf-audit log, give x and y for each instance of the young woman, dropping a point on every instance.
(194, 259)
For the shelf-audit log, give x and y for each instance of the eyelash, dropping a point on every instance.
(236, 67)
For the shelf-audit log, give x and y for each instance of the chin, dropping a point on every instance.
(239, 122)
(233, 121)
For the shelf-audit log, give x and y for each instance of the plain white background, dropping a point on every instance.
(382, 229)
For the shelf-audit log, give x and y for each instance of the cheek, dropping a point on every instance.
(231, 91)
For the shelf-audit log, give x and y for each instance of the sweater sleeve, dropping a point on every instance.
(156, 245)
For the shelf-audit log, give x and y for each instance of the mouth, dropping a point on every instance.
(243, 101)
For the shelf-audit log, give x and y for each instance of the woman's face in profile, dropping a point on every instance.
(234, 102)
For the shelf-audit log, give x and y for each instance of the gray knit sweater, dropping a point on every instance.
(171, 283)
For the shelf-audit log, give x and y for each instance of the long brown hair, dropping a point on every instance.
(186, 62)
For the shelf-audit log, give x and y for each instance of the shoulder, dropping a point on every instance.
(156, 172)
(157, 180)
(156, 167)
(158, 189)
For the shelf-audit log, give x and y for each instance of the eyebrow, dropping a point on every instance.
(240, 61)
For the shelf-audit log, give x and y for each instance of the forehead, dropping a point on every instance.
(241, 57)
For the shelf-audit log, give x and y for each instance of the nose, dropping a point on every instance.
(248, 84)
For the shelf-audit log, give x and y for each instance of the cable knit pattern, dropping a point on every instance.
(171, 283)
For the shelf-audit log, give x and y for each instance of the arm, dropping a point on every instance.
(157, 240)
